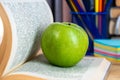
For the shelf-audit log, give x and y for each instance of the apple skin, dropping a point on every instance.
(64, 44)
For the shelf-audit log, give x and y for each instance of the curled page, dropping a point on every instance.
(24, 23)
(1, 30)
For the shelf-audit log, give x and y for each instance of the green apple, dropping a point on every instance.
(64, 44)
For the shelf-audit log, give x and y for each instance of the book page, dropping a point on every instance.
(1, 39)
(1, 30)
(40, 67)
(28, 19)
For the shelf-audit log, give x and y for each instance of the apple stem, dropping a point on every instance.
(69, 24)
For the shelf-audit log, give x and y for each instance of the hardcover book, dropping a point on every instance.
(117, 2)
(114, 12)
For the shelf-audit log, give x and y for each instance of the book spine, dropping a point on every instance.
(66, 16)
(117, 2)
(58, 11)
(114, 12)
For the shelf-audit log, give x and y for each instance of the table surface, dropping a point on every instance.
(114, 72)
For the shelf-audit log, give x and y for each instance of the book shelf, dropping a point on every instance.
(114, 24)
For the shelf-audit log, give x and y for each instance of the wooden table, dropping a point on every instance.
(114, 72)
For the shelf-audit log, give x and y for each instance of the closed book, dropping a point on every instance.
(58, 10)
(112, 27)
(117, 27)
(117, 2)
(114, 12)
(66, 15)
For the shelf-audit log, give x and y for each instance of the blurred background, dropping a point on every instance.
(110, 29)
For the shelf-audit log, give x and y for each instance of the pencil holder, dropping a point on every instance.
(95, 24)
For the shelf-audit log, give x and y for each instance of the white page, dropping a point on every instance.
(1, 30)
(84, 70)
(28, 19)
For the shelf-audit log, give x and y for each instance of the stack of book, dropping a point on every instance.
(114, 20)
(107, 48)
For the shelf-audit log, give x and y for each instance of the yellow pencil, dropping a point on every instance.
(96, 10)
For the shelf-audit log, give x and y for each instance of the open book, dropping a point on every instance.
(23, 22)
(90, 68)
